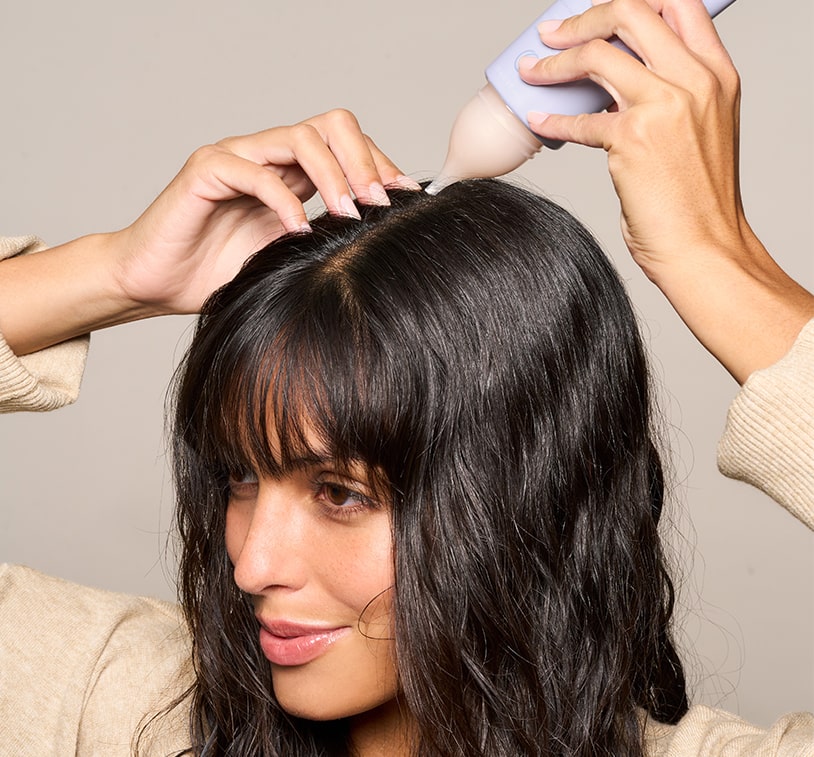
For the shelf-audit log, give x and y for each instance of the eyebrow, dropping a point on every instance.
(354, 469)
(313, 459)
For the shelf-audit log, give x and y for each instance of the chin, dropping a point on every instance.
(355, 676)
(314, 710)
(322, 711)
(328, 701)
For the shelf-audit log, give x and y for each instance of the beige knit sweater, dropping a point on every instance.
(81, 669)
(44, 380)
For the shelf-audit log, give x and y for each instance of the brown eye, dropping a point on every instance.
(339, 495)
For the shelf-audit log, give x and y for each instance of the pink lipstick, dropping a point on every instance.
(289, 644)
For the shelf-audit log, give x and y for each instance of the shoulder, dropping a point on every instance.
(705, 731)
(115, 660)
(99, 611)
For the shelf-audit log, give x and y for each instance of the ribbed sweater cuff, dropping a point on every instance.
(769, 437)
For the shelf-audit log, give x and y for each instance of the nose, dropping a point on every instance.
(265, 540)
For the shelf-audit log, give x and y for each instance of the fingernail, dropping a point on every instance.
(377, 194)
(551, 25)
(535, 118)
(349, 208)
(526, 62)
(304, 228)
(405, 182)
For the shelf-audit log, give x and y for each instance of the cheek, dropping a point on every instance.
(360, 567)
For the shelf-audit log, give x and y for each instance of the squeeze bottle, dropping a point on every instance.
(491, 135)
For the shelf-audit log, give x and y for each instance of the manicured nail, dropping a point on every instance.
(536, 118)
(348, 207)
(405, 182)
(546, 27)
(377, 194)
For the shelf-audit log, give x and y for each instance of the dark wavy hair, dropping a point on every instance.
(477, 352)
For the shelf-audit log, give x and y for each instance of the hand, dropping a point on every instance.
(672, 136)
(672, 144)
(228, 201)
(236, 196)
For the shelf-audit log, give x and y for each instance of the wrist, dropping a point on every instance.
(96, 264)
(125, 302)
(737, 301)
(63, 292)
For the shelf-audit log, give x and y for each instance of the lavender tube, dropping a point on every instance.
(569, 99)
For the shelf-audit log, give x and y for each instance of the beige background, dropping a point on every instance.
(103, 101)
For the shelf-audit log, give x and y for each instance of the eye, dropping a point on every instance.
(242, 484)
(341, 496)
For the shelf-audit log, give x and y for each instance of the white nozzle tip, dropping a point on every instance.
(439, 183)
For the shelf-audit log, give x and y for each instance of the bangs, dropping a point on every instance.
(290, 376)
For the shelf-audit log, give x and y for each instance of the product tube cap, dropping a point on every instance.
(487, 140)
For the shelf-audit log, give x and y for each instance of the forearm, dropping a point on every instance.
(672, 143)
(51, 296)
(738, 302)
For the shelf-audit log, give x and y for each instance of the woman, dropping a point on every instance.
(418, 497)
(426, 437)
(644, 177)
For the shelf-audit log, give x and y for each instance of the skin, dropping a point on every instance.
(314, 547)
(229, 200)
(672, 144)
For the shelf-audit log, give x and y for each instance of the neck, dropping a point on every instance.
(383, 732)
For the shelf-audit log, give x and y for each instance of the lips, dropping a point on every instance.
(290, 644)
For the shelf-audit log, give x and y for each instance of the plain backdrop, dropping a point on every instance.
(101, 104)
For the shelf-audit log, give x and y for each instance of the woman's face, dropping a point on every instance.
(313, 549)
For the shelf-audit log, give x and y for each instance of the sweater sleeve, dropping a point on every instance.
(84, 670)
(769, 443)
(769, 437)
(44, 380)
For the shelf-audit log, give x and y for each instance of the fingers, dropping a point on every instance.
(691, 23)
(674, 38)
(591, 129)
(328, 153)
(683, 72)
(216, 174)
(624, 78)
(335, 171)
(367, 169)
(390, 173)
(690, 20)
